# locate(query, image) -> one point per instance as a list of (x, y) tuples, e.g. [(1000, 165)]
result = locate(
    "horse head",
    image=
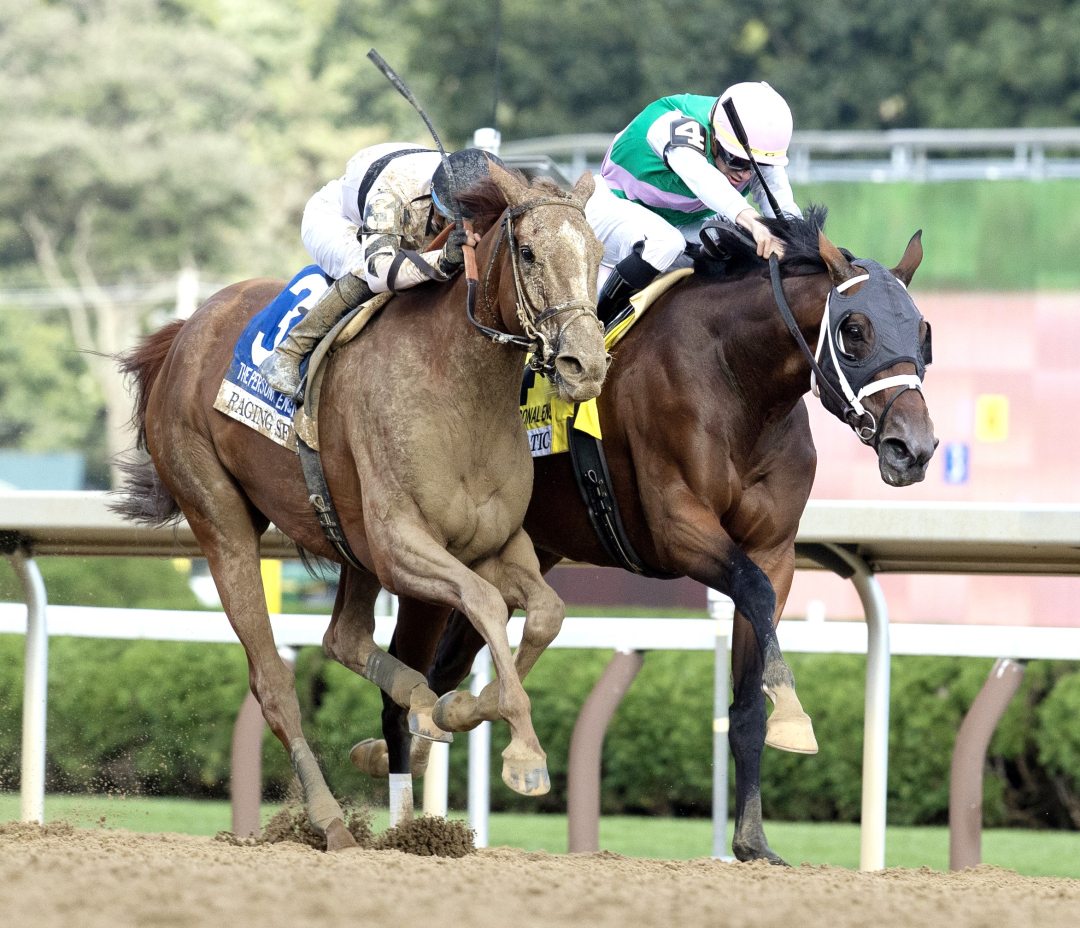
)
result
[(878, 346), (554, 258)]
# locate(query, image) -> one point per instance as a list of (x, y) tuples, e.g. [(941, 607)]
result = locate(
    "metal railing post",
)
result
[(586, 748), (35, 689), (437, 780), (480, 756), (875, 777), (245, 770), (969, 759), (722, 611)]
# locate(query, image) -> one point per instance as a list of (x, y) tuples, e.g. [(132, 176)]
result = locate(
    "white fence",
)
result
[(919, 155), (855, 539)]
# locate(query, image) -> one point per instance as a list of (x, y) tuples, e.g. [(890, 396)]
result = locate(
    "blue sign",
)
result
[(957, 462)]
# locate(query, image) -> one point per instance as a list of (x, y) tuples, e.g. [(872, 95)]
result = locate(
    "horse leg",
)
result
[(425, 570), (350, 641), (223, 523), (515, 571), (707, 553), (747, 735)]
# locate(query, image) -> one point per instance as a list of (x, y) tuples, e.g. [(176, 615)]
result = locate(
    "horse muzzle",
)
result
[(581, 360), (902, 461)]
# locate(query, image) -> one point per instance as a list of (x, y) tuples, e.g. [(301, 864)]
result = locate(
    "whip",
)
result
[(740, 134), (400, 87)]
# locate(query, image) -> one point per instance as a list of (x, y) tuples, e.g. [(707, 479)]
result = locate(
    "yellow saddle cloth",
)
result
[(546, 415)]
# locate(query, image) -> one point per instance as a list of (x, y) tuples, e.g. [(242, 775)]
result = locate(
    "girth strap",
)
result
[(321, 502), (594, 485)]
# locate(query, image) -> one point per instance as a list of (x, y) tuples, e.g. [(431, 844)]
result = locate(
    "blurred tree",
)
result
[(123, 154)]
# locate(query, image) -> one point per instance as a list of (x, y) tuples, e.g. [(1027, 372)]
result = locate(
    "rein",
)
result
[(542, 352)]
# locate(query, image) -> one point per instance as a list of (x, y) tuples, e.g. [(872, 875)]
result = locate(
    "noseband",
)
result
[(542, 352)]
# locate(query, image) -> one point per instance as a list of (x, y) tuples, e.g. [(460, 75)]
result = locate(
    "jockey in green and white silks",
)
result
[(676, 165)]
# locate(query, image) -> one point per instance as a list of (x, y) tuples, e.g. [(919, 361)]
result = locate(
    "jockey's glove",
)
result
[(453, 258)]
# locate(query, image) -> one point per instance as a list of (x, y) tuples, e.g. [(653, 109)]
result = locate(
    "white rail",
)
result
[(854, 539), (918, 155)]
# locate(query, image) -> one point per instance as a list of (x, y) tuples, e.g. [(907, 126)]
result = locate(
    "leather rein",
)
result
[(542, 352)]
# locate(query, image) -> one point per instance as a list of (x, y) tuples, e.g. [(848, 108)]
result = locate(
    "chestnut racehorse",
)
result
[(712, 461), (425, 455)]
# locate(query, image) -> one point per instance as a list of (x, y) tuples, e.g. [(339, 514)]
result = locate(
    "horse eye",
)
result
[(527, 254), (853, 333)]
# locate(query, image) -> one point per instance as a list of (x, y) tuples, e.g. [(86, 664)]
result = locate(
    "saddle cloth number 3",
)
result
[(689, 133), (316, 286)]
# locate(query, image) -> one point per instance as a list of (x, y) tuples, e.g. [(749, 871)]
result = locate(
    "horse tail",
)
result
[(143, 497)]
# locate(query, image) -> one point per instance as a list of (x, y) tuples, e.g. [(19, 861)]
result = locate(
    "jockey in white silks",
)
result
[(677, 165), (370, 230)]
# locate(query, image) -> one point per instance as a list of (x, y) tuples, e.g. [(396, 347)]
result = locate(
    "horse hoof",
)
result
[(748, 854), (339, 838), (456, 711), (793, 733), (370, 757), (422, 725), (526, 774)]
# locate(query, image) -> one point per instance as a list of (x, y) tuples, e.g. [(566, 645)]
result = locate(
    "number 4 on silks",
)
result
[(689, 133)]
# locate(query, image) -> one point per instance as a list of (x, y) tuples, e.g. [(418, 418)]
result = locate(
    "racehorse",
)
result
[(712, 461), (424, 452)]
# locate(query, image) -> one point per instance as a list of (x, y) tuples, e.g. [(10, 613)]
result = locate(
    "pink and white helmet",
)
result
[(765, 116)]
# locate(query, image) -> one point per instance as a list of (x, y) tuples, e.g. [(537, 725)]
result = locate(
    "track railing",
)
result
[(856, 540)]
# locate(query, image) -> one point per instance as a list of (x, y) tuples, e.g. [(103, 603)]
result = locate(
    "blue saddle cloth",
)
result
[(244, 395)]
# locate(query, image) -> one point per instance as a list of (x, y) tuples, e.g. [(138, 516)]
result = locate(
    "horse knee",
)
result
[(542, 628)]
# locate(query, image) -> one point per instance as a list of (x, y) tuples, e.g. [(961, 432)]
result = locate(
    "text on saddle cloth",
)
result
[(546, 416), (244, 395)]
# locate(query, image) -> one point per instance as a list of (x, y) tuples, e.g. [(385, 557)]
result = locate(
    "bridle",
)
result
[(542, 351), (849, 403)]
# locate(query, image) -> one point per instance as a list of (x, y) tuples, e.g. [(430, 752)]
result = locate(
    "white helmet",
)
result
[(765, 116)]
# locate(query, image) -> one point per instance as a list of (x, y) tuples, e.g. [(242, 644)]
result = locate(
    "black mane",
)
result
[(801, 255)]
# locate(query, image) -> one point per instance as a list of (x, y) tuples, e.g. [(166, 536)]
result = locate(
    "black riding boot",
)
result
[(629, 276)]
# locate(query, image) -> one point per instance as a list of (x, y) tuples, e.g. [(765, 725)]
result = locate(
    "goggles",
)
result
[(733, 161)]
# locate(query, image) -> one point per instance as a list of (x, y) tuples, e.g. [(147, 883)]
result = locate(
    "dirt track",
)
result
[(60, 876)]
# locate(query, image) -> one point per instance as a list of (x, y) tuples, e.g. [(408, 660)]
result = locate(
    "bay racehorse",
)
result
[(711, 457), (425, 455)]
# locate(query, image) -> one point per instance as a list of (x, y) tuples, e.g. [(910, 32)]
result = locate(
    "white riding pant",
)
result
[(620, 224)]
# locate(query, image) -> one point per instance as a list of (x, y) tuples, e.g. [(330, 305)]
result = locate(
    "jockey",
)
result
[(675, 166), (369, 230)]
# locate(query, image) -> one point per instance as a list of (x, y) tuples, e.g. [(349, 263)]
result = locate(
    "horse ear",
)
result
[(840, 269), (583, 189), (909, 264), (513, 189)]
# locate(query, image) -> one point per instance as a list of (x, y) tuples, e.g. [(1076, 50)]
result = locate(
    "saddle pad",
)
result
[(546, 416), (243, 394)]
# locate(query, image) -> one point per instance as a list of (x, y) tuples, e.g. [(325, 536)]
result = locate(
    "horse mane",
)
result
[(801, 254), (483, 203)]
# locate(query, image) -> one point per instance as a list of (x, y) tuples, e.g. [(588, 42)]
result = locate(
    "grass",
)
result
[(1032, 853)]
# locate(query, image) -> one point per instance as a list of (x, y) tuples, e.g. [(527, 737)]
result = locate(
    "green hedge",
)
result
[(157, 717)]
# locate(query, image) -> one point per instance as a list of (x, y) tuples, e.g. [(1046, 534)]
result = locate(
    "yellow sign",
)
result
[(991, 417), (271, 578)]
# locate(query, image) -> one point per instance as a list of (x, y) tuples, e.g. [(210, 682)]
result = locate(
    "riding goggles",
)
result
[(733, 161)]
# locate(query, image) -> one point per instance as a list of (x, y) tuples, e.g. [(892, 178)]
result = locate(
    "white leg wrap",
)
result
[(321, 805), (401, 798)]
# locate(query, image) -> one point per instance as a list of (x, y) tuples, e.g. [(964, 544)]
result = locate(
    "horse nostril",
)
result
[(569, 366), (897, 453)]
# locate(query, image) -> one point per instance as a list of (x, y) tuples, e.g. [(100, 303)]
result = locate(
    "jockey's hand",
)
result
[(767, 243), (452, 257)]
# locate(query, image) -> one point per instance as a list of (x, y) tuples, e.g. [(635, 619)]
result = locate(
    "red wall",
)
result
[(1026, 347)]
